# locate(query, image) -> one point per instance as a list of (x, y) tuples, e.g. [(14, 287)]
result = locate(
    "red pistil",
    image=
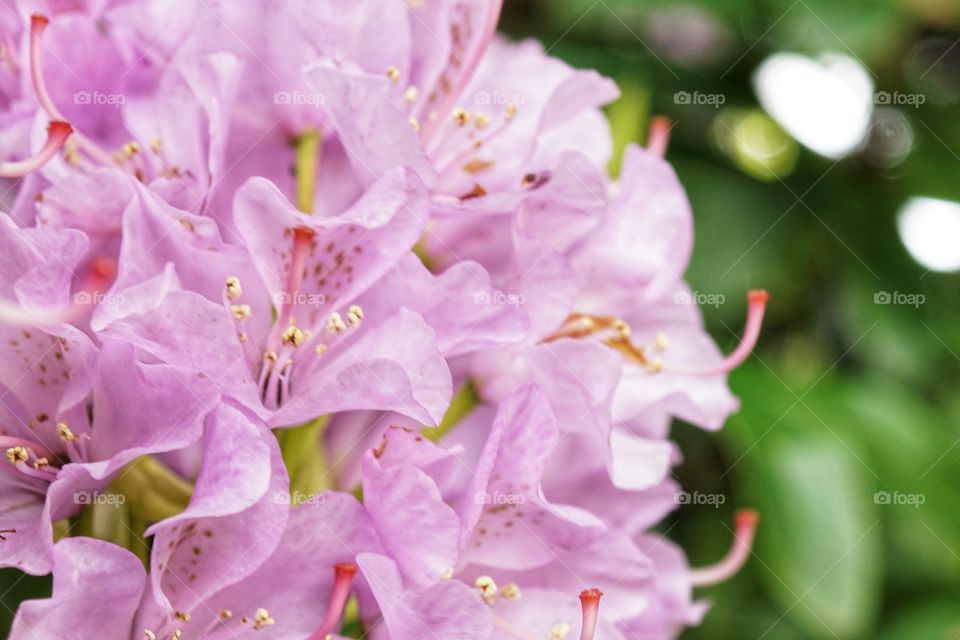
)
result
[(751, 332), (746, 528), (302, 238), (343, 578), (57, 133), (590, 603), (659, 137)]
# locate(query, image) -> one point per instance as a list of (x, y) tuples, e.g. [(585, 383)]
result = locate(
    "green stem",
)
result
[(307, 154), (153, 492), (465, 400), (304, 457)]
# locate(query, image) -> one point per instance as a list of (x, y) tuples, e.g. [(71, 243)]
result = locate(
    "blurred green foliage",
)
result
[(849, 406)]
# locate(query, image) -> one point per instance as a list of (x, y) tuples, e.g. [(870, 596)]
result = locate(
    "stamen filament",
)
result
[(745, 530), (343, 578), (751, 332), (38, 24), (57, 133)]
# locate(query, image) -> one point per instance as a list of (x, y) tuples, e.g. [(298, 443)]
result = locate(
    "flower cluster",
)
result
[(323, 318)]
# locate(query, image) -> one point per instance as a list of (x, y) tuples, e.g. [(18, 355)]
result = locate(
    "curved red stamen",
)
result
[(38, 24), (751, 332), (343, 578), (57, 134), (745, 530), (659, 136), (590, 603)]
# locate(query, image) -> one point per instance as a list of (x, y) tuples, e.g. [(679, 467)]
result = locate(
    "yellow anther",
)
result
[(559, 631), (354, 315), (131, 149), (661, 342), (226, 614), (65, 433), (292, 336), (335, 323), (511, 111), (411, 94), (621, 327), (240, 311), (182, 615), (415, 124), (16, 454), (270, 355), (321, 349), (40, 463), (149, 635), (394, 74), (481, 120), (510, 591), (461, 116), (156, 145), (262, 619), (242, 336), (488, 588), (234, 290)]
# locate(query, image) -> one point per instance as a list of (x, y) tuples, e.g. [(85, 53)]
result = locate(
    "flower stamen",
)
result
[(744, 531), (57, 133)]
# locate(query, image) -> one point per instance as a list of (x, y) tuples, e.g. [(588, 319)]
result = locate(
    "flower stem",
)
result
[(462, 404), (307, 155), (152, 491), (304, 456)]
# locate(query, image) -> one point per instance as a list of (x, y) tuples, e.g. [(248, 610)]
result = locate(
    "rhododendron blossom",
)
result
[(338, 301)]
